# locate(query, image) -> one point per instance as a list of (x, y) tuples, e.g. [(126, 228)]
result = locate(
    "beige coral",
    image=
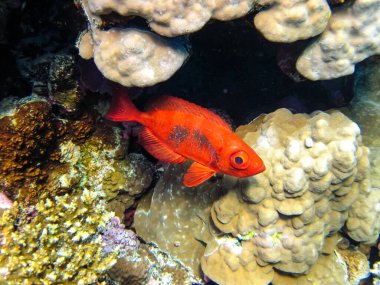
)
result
[(129, 56), (351, 36), (278, 226), (316, 181), (289, 21), (173, 18), (134, 57)]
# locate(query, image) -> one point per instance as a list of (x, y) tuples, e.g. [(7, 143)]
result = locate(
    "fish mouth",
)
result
[(260, 169)]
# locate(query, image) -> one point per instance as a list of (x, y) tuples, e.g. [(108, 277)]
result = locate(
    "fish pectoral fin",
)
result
[(196, 174), (158, 148)]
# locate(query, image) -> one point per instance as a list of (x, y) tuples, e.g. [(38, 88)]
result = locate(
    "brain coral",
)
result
[(316, 183)]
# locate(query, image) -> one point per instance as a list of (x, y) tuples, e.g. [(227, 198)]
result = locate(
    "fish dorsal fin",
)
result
[(159, 149), (171, 103), (196, 174)]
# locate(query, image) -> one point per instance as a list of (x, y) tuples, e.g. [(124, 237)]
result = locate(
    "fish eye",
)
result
[(240, 160)]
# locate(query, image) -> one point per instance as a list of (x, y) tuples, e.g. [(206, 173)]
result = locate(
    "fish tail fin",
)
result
[(122, 109)]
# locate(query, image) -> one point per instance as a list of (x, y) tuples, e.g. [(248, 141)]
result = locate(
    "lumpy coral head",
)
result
[(175, 130)]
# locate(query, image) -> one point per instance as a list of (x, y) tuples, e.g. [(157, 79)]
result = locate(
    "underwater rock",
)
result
[(175, 218), (62, 84), (61, 244), (150, 265), (365, 110), (54, 76), (357, 265)]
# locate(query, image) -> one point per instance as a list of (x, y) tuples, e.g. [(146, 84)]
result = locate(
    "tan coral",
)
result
[(134, 57), (289, 21), (316, 181), (173, 18), (327, 270), (281, 222), (351, 36), (230, 264)]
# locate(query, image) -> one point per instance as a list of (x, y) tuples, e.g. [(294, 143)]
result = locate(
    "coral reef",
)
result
[(28, 133), (279, 226), (316, 182), (351, 36), (347, 37), (42, 155), (62, 244)]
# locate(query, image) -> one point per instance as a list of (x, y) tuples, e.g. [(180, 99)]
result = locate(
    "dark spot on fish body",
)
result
[(203, 144), (201, 139), (178, 134)]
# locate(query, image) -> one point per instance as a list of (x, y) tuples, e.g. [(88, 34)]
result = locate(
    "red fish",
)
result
[(175, 130)]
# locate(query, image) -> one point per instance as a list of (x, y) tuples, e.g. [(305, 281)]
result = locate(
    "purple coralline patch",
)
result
[(116, 236), (5, 202)]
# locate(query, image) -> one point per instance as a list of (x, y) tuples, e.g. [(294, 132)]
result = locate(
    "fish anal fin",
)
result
[(170, 103), (196, 174), (159, 149)]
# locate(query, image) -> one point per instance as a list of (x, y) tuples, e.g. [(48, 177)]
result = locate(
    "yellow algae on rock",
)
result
[(60, 245)]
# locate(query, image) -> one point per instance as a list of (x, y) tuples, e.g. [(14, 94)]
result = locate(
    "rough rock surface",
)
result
[(175, 218), (365, 110)]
